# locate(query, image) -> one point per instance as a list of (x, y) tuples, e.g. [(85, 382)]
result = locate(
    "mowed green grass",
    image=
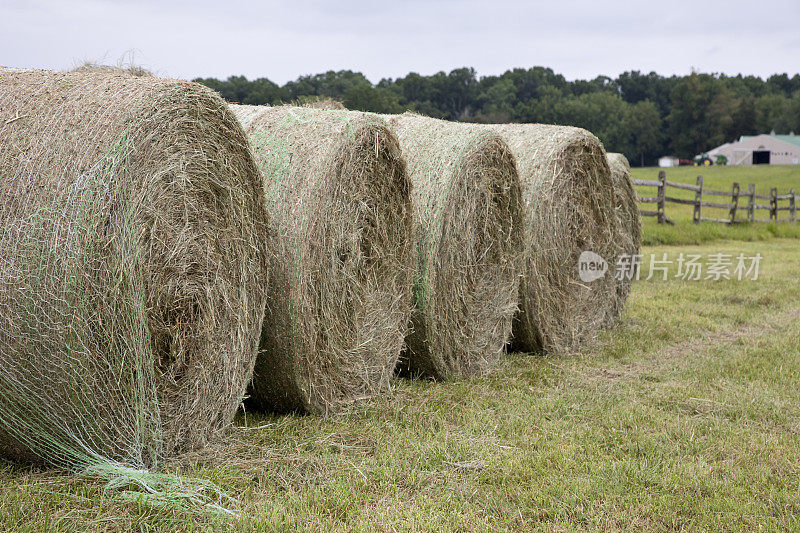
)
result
[(719, 178), (784, 177), (685, 416)]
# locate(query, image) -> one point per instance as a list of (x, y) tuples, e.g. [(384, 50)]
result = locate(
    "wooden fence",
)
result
[(746, 212)]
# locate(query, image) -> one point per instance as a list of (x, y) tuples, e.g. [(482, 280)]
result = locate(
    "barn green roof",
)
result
[(791, 139)]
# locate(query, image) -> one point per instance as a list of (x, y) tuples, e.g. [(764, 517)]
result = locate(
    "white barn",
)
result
[(668, 161), (761, 150)]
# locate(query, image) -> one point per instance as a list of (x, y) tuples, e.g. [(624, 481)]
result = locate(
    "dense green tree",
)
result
[(542, 109), (701, 114), (262, 91), (600, 83), (332, 84), (783, 84), (645, 126), (412, 88), (744, 86), (793, 114), (234, 89), (635, 87), (497, 102), (375, 99), (603, 113), (529, 83), (744, 119), (455, 93), (771, 113), (642, 115)]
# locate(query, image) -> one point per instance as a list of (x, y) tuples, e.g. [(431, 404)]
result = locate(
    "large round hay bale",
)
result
[(629, 229), (569, 209), (133, 266), (467, 228), (340, 284)]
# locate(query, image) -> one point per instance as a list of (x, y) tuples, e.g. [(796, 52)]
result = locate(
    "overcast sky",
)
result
[(283, 40)]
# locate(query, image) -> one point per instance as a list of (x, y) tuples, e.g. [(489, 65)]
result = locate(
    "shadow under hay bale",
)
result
[(340, 282), (467, 224), (629, 228), (132, 270), (569, 209)]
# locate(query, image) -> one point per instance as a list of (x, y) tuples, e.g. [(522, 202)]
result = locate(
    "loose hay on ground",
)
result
[(629, 228), (569, 208), (340, 285), (467, 224), (133, 267)]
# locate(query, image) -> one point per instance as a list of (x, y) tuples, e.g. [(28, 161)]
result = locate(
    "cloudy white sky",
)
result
[(283, 40)]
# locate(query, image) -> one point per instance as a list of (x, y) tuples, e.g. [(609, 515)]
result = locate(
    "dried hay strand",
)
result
[(568, 195), (340, 283), (132, 268), (324, 102), (122, 68), (467, 227), (13, 70), (629, 228)]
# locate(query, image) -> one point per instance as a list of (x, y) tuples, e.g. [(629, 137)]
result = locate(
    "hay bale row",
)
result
[(150, 244), (132, 270), (569, 209), (340, 281), (629, 226), (468, 234)]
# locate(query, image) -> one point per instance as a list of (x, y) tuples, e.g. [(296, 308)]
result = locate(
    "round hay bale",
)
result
[(340, 283), (467, 230), (133, 266), (569, 209), (629, 228)]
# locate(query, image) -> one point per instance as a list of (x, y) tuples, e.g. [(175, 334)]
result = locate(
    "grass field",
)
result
[(686, 416), (717, 178), (784, 177)]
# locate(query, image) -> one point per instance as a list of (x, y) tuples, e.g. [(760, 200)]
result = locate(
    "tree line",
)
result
[(641, 115)]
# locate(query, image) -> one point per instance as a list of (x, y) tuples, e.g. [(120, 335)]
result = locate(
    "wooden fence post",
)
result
[(734, 201), (751, 204), (792, 212), (773, 204), (698, 200), (662, 187)]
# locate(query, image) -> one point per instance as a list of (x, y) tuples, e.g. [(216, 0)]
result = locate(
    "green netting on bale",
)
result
[(130, 281), (75, 336), (340, 283)]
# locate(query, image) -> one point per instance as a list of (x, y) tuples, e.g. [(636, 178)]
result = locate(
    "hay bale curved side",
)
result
[(467, 223), (569, 209), (132, 222), (340, 284), (629, 227)]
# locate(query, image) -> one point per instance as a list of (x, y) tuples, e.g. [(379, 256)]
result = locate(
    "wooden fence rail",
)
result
[(735, 212)]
